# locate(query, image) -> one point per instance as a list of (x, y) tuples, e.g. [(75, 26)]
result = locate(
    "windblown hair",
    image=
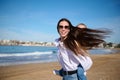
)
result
[(83, 38), (89, 37), (80, 39)]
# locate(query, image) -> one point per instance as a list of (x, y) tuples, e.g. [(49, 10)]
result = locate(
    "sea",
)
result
[(16, 55)]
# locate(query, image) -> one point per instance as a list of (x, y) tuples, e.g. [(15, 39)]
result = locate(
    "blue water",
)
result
[(14, 55)]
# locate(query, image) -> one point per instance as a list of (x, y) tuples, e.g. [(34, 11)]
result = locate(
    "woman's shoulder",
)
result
[(56, 42)]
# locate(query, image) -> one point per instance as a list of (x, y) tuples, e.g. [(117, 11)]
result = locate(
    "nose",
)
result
[(63, 28)]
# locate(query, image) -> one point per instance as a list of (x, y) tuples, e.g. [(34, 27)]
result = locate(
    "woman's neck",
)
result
[(62, 38)]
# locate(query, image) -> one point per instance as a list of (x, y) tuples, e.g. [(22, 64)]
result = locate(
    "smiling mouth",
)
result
[(63, 33)]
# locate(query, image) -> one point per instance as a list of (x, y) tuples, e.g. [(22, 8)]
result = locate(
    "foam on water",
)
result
[(25, 54)]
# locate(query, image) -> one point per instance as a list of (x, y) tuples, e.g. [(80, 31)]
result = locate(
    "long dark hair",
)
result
[(78, 40), (89, 37)]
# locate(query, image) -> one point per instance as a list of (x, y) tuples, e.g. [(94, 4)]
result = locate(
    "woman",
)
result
[(81, 73), (68, 53), (72, 48)]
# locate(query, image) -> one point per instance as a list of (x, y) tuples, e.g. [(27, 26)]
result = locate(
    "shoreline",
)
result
[(105, 67), (98, 51)]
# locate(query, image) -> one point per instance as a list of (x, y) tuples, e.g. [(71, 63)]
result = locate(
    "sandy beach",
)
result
[(105, 67)]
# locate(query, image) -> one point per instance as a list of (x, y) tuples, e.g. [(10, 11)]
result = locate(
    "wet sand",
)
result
[(105, 67)]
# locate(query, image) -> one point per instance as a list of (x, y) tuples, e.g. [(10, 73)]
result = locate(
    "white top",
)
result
[(69, 61)]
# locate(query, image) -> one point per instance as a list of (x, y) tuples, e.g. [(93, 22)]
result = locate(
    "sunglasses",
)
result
[(66, 27)]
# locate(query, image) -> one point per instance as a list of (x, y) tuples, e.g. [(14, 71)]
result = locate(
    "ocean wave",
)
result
[(25, 54)]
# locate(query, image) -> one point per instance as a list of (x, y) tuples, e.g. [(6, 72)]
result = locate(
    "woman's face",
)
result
[(64, 29)]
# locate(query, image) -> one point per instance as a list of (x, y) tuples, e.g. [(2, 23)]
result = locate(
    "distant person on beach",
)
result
[(72, 48)]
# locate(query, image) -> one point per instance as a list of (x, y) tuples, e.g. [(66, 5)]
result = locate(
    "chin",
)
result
[(63, 36)]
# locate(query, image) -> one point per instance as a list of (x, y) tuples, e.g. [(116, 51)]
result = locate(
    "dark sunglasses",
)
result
[(66, 27)]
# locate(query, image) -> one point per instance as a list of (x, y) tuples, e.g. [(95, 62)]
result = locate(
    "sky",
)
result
[(36, 20)]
